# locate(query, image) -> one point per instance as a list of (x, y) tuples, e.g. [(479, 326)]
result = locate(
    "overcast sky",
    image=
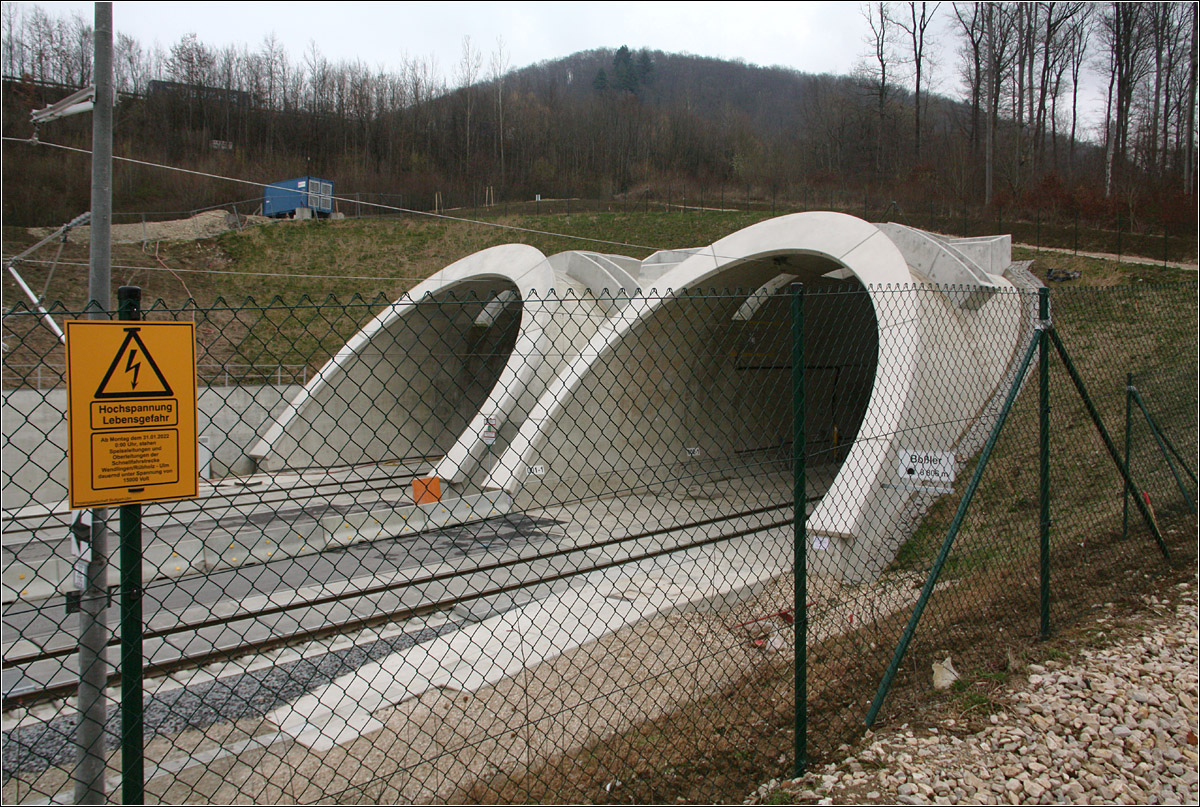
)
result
[(812, 37)]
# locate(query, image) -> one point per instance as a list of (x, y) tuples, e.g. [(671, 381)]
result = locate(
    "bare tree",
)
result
[(1176, 42), (190, 62), (81, 50), (915, 25), (970, 19), (1189, 152), (13, 52), (317, 79), (1078, 40), (273, 56), (1125, 38), (1056, 20), (877, 71), (469, 65), (499, 68), (1000, 34), (1158, 24), (131, 65)]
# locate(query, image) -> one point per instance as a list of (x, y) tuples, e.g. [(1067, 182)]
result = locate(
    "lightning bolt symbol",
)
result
[(130, 366)]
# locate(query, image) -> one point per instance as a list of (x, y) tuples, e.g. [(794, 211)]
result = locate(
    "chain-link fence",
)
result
[(489, 548)]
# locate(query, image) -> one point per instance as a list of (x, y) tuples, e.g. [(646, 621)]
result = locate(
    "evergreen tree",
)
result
[(645, 68), (625, 76)]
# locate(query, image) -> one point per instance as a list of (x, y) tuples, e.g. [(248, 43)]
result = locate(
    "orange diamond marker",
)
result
[(427, 490)]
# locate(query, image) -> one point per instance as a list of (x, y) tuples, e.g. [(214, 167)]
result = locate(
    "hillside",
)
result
[(602, 124)]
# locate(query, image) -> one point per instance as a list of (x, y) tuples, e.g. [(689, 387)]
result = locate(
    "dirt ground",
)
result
[(207, 224), (450, 745), (728, 742), (1109, 256)]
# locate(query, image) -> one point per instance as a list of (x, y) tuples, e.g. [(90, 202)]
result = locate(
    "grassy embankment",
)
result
[(365, 264)]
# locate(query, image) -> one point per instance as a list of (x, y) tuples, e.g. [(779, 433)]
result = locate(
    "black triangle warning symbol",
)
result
[(133, 373)]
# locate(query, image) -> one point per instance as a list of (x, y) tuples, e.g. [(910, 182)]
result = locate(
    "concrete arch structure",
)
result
[(478, 340), (855, 526), (596, 386), (563, 318), (385, 377)]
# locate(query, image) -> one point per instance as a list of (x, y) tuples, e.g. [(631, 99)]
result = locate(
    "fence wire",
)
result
[(497, 549)]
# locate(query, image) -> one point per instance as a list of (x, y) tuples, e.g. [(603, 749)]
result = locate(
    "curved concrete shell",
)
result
[(440, 355), (908, 339), (477, 341), (595, 387), (563, 318)]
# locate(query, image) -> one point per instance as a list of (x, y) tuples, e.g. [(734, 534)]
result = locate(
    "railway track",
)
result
[(392, 593), (260, 490)]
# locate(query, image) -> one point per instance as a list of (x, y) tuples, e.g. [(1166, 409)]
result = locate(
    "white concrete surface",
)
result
[(579, 423), (35, 428), (406, 381), (498, 647)]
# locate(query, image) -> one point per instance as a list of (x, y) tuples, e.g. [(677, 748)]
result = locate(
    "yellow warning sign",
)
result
[(131, 411), (122, 382)]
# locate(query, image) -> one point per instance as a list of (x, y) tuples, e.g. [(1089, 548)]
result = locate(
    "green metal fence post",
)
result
[(800, 532), (911, 628), (1128, 437), (1158, 438), (1170, 446), (1077, 380), (1044, 455), (129, 307)]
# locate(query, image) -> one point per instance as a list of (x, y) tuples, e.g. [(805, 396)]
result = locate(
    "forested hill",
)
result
[(597, 124), (770, 99), (600, 124)]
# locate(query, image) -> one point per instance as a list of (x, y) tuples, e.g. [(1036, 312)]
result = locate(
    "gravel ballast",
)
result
[(1118, 724)]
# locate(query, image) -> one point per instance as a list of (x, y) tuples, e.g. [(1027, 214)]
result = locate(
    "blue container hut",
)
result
[(283, 199)]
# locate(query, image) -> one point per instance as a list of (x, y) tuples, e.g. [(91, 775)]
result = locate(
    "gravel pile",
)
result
[(207, 224), (1118, 725), (40, 744)]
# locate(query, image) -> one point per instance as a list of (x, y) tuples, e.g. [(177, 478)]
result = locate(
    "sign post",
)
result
[(131, 413)]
